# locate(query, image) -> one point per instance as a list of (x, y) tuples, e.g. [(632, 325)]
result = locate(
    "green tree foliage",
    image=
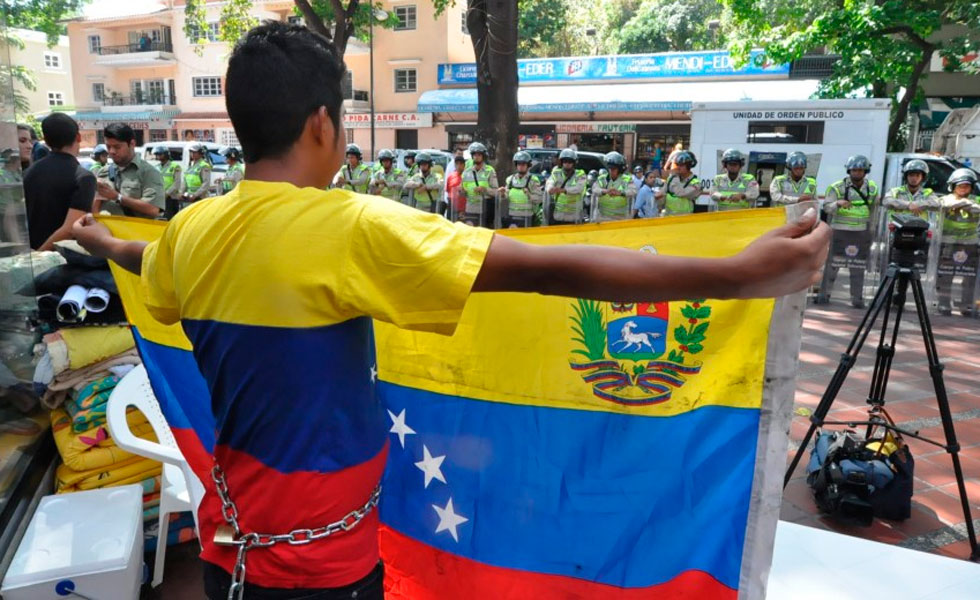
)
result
[(885, 46), (46, 16), (539, 22), (671, 25)]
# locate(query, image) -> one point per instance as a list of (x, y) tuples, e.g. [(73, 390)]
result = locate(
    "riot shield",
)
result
[(925, 260), (850, 251), (508, 217), (475, 212), (554, 216), (597, 215), (956, 266)]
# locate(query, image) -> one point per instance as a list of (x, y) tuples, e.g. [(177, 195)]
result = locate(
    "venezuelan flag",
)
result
[(557, 447)]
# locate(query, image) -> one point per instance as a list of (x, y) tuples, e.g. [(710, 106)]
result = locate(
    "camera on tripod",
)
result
[(910, 236)]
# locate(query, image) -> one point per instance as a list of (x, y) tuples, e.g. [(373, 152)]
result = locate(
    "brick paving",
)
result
[(937, 523)]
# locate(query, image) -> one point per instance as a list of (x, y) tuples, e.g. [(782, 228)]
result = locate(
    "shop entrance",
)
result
[(598, 142)]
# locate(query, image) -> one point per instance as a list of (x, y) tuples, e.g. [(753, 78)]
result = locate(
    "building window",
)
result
[(407, 16), (210, 34), (785, 132), (158, 135), (206, 86), (405, 80), (295, 20), (348, 85), (98, 92), (52, 60), (94, 44), (56, 99), (465, 29), (227, 137)]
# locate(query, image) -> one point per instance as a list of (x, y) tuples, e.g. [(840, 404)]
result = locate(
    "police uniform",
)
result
[(606, 207), (853, 233), (232, 177), (393, 181), (785, 190), (524, 196), (680, 194), (566, 207), (425, 190), (357, 178), (197, 180), (958, 251), (170, 173), (724, 187), (898, 201), (478, 211)]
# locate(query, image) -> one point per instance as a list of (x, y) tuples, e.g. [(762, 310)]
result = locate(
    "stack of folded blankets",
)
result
[(78, 365)]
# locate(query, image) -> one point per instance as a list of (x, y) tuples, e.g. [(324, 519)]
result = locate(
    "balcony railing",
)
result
[(139, 99), (148, 46)]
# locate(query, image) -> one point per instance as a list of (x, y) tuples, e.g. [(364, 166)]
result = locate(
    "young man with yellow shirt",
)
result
[(276, 284)]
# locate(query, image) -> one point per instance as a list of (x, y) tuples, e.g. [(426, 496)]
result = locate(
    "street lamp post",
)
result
[(381, 16)]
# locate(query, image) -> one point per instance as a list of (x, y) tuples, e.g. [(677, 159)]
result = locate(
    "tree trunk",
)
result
[(343, 28), (495, 46), (911, 89)]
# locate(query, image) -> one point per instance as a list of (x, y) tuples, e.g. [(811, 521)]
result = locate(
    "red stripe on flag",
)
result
[(417, 571)]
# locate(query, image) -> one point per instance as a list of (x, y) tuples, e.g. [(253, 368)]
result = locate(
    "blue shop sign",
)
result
[(713, 63)]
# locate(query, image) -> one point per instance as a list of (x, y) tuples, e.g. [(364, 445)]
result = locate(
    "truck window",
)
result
[(939, 173), (785, 132)]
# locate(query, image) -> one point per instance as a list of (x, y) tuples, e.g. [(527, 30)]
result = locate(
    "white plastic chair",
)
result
[(180, 489)]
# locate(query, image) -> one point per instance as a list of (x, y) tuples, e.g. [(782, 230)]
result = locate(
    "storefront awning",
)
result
[(151, 119), (634, 97)]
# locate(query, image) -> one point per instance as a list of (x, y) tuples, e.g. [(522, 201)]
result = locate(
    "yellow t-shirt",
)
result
[(275, 288)]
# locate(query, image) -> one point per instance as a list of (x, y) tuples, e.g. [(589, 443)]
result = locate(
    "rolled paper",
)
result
[(97, 300), (71, 309)]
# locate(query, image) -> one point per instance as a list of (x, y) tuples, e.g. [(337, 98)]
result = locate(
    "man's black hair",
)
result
[(279, 75), (60, 130), (119, 131), (29, 130)]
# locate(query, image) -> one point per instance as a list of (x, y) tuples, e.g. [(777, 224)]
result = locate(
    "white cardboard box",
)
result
[(87, 542)]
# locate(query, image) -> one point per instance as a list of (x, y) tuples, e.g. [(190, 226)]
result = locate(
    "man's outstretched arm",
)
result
[(783, 261), (96, 238)]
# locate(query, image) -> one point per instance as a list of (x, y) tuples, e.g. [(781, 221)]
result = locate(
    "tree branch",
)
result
[(909, 33), (911, 89), (313, 20)]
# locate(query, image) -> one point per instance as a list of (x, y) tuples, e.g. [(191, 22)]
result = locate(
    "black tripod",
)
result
[(898, 277)]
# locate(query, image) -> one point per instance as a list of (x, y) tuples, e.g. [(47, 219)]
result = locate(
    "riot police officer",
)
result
[(682, 187), (520, 197), (849, 204), (170, 171), (411, 168), (958, 251), (425, 186), (355, 175), (389, 179), (612, 196), (197, 178), (733, 189), (101, 157), (795, 187), (479, 183), (911, 199), (565, 190), (235, 172)]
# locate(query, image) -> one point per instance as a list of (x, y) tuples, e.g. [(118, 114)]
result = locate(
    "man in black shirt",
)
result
[(58, 191)]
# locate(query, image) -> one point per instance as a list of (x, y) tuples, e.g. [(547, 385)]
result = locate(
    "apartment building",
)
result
[(142, 69), (50, 68)]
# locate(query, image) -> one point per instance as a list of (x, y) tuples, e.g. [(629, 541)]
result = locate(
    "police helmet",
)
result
[(100, 149), (915, 165), (196, 147), (593, 173), (386, 153), (796, 159), (603, 172), (568, 154), (858, 161), (158, 151), (732, 155), (232, 153), (636, 169), (423, 157), (353, 149), (961, 176), (686, 157), (412, 154), (476, 147), (615, 159), (522, 157)]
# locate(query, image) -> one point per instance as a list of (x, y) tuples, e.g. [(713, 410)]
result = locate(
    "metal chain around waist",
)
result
[(298, 537)]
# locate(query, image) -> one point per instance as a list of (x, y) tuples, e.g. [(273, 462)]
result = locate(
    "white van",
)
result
[(180, 152)]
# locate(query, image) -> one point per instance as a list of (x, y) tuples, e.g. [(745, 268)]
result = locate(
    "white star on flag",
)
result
[(448, 519), (430, 465), (374, 373), (399, 427)]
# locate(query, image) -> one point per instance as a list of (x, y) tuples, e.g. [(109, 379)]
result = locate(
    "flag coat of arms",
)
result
[(567, 448)]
